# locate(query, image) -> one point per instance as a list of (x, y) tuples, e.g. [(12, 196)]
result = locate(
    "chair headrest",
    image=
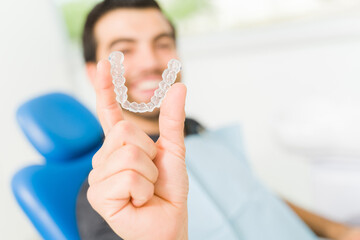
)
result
[(59, 127)]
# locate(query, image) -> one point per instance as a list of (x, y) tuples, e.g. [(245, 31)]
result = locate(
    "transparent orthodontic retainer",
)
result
[(117, 71)]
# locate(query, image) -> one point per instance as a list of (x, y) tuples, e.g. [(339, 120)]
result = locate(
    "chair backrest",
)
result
[(67, 135)]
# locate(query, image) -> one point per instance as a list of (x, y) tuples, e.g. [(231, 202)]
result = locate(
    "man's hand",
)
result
[(140, 187), (349, 234), (324, 227)]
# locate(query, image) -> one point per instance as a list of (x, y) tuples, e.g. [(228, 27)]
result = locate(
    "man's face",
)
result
[(145, 38)]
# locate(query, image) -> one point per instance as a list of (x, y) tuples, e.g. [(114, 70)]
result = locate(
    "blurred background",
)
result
[(286, 70)]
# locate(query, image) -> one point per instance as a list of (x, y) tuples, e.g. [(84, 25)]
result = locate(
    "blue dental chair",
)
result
[(67, 135)]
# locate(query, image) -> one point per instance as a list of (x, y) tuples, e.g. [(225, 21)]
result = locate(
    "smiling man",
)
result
[(139, 183), (147, 40)]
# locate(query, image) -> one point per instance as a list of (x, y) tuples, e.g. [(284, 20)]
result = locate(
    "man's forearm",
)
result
[(321, 226)]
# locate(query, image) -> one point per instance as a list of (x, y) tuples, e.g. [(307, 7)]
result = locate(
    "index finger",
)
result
[(108, 109)]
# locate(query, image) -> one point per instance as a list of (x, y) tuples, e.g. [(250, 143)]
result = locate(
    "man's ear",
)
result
[(91, 71)]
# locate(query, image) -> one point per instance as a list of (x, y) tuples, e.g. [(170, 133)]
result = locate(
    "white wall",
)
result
[(255, 76), (251, 76)]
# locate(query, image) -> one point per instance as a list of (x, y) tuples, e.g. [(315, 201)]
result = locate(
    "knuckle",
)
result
[(96, 159), (95, 199), (156, 174), (124, 158), (124, 127), (132, 153), (131, 178), (91, 196), (153, 151), (91, 177)]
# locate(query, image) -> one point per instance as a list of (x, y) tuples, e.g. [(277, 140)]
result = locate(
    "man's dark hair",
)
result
[(88, 37)]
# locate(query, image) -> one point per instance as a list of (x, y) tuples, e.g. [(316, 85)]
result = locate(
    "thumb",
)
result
[(172, 116)]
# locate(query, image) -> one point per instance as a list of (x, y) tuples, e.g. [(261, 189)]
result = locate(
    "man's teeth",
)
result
[(148, 85)]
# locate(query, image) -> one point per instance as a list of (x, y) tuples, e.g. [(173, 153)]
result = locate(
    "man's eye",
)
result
[(125, 51), (164, 45)]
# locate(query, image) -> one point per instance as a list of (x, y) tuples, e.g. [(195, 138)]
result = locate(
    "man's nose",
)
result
[(148, 60)]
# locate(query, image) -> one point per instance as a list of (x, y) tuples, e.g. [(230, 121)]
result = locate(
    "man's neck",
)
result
[(149, 125)]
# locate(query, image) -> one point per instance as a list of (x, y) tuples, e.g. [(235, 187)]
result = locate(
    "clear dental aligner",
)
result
[(117, 72)]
